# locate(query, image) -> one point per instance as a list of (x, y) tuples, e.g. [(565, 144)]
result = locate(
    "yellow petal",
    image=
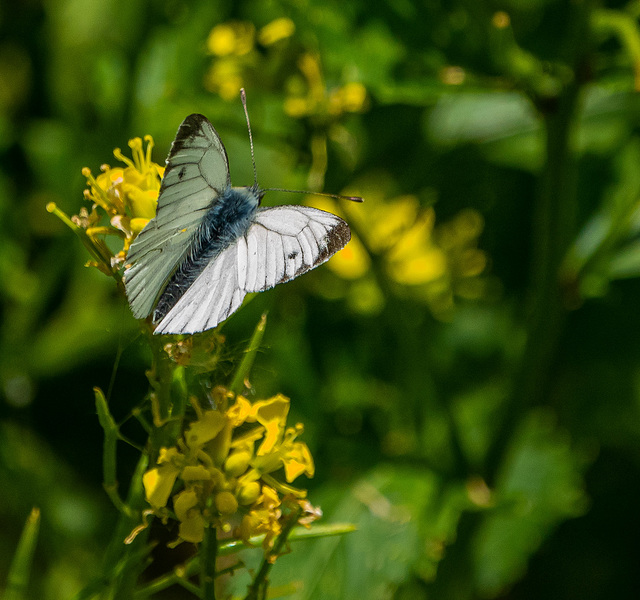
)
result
[(208, 426), (137, 225), (239, 412), (273, 409), (277, 30), (158, 483), (195, 473), (142, 203), (192, 528), (352, 262), (298, 461), (272, 433)]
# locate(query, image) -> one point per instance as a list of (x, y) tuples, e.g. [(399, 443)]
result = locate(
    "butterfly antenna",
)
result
[(243, 96), (337, 196)]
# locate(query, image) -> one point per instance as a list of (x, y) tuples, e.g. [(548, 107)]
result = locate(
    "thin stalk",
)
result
[(258, 587), (553, 232), (208, 552)]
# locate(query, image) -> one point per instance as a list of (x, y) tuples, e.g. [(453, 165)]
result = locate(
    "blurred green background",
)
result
[(467, 372)]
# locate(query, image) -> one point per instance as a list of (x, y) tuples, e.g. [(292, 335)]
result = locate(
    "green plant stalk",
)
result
[(624, 26), (167, 408), (126, 572), (258, 587), (208, 552), (111, 436), (229, 547), (553, 232), (242, 373)]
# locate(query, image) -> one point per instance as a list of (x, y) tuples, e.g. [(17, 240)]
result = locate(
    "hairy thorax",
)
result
[(228, 218)]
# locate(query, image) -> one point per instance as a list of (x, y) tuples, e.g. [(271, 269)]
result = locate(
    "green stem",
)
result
[(553, 232), (208, 552), (242, 374), (258, 587)]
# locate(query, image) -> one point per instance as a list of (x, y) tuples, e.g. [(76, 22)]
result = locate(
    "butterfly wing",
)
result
[(287, 241), (282, 243), (197, 174)]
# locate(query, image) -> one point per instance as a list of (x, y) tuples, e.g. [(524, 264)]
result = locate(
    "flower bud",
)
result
[(249, 493), (226, 503), (237, 463)]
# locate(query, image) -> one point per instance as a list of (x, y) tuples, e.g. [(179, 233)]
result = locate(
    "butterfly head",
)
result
[(257, 192)]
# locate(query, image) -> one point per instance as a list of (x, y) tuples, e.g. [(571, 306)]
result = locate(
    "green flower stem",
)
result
[(208, 552), (123, 563), (97, 248), (554, 229), (258, 587), (192, 567), (624, 26), (242, 374), (111, 437), (168, 409)]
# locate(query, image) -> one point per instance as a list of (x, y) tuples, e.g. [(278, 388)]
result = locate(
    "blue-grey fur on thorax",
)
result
[(229, 217)]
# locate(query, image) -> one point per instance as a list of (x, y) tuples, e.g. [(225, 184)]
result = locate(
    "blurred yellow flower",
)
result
[(224, 77), (236, 37), (434, 262), (277, 30), (218, 479), (318, 100)]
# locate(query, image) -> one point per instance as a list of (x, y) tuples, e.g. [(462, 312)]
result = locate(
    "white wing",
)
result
[(197, 174), (212, 297), (282, 243), (287, 241)]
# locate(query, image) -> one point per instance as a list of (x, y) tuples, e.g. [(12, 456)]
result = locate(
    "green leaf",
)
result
[(540, 486), (20, 571)]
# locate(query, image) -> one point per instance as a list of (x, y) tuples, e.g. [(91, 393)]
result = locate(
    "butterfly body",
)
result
[(210, 243), (229, 217)]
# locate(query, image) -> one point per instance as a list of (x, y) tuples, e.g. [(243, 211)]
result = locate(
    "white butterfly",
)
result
[(210, 243)]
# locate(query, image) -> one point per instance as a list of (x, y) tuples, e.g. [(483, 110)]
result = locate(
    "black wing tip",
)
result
[(340, 236), (189, 129)]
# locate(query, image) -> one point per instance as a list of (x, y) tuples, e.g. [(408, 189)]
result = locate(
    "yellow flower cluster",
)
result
[(436, 263), (318, 101), (216, 477), (234, 48), (127, 196)]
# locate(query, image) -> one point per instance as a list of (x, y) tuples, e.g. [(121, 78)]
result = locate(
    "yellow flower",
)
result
[(192, 523), (159, 481), (224, 77), (272, 415), (217, 473), (348, 98), (127, 196), (263, 519), (435, 262), (231, 38), (319, 101), (277, 30)]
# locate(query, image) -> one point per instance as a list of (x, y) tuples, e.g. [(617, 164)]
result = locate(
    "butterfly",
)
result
[(210, 244)]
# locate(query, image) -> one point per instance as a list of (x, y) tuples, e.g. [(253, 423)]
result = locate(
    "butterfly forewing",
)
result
[(197, 173)]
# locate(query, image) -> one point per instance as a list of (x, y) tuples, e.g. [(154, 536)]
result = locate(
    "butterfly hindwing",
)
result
[(212, 297), (197, 174), (281, 243)]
